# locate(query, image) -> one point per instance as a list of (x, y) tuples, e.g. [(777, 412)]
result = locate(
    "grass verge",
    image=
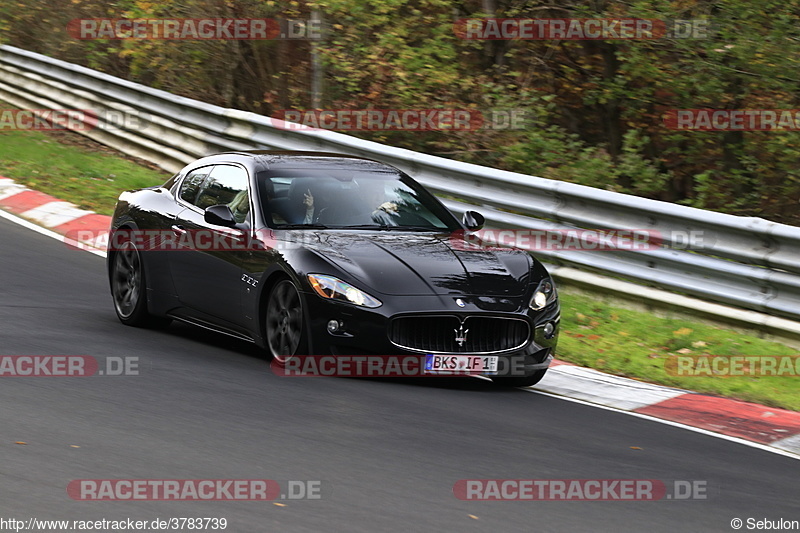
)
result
[(594, 334), (73, 168), (644, 346)]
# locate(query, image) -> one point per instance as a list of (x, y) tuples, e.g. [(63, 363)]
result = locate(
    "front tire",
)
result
[(284, 322), (526, 381)]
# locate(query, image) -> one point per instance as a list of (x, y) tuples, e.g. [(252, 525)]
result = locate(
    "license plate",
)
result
[(461, 364)]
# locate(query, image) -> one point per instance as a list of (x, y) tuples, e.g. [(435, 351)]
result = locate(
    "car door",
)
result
[(206, 264)]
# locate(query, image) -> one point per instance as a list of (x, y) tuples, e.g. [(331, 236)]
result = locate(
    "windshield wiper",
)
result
[(303, 226), (420, 228), (364, 226), (385, 227)]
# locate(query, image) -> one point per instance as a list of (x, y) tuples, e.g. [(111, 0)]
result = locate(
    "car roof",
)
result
[(305, 159)]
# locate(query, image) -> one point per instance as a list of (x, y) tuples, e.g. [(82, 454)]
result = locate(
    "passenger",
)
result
[(240, 206), (308, 203)]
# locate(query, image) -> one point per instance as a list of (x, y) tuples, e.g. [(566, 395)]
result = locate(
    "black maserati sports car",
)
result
[(308, 253)]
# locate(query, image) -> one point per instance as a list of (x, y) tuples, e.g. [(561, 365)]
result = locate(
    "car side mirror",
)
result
[(473, 220), (219, 215)]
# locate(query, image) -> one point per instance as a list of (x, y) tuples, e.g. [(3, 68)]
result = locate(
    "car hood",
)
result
[(405, 263)]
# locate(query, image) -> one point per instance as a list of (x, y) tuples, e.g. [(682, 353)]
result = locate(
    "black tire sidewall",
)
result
[(302, 345), (139, 316)]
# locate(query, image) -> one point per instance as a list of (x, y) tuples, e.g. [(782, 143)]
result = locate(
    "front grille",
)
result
[(438, 334)]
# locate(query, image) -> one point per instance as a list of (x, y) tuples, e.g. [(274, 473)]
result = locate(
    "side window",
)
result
[(227, 185), (191, 185)]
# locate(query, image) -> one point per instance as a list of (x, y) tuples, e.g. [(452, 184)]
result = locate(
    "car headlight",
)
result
[(336, 289), (544, 295)]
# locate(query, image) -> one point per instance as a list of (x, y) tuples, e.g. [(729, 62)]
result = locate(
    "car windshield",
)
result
[(341, 199)]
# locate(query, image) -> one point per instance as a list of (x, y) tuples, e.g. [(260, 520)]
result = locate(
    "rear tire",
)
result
[(525, 381), (129, 289)]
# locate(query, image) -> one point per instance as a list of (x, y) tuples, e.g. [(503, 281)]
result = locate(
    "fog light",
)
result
[(549, 328), (334, 326)]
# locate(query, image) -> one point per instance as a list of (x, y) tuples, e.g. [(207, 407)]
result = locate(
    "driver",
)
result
[(373, 193)]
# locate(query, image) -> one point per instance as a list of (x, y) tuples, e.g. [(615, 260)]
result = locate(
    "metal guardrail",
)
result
[(746, 262)]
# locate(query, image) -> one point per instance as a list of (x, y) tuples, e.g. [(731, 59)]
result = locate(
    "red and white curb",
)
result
[(770, 428), (63, 218), (775, 430)]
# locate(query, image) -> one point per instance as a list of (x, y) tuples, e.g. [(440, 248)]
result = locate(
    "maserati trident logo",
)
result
[(461, 335)]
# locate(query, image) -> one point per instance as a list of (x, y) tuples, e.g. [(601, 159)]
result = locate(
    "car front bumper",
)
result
[(367, 331)]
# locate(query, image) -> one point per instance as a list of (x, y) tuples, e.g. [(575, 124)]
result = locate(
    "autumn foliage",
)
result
[(596, 107)]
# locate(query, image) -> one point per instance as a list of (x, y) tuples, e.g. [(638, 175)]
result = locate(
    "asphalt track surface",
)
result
[(388, 452)]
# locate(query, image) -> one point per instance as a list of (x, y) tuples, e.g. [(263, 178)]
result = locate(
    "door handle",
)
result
[(178, 230)]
